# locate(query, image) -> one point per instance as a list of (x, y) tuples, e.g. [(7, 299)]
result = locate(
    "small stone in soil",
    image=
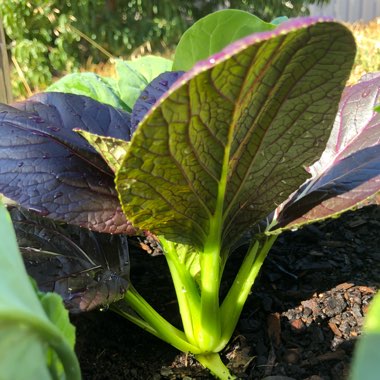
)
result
[(297, 326)]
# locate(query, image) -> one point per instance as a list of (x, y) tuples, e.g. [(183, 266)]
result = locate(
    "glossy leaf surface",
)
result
[(151, 93), (230, 140), (87, 269), (48, 168), (208, 35), (348, 171)]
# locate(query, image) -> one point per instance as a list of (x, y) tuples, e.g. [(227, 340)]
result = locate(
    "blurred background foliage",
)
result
[(47, 38)]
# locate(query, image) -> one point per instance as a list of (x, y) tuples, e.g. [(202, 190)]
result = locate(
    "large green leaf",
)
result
[(21, 345), (230, 141), (212, 33), (134, 76)]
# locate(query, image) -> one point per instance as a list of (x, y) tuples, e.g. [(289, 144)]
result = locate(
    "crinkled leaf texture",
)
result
[(348, 172), (87, 269), (20, 312), (151, 93), (48, 168), (229, 141)]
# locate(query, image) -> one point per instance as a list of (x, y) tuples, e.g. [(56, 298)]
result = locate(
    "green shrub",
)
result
[(46, 36)]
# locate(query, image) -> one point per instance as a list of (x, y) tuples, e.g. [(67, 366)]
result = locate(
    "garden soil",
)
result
[(301, 321)]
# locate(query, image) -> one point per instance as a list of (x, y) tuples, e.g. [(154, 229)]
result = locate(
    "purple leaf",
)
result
[(49, 169), (58, 114), (356, 125), (152, 92), (349, 169), (87, 269)]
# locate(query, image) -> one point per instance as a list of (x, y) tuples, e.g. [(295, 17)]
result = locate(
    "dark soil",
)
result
[(301, 321)]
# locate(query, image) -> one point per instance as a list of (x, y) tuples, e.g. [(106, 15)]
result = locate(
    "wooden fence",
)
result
[(348, 10), (5, 83)]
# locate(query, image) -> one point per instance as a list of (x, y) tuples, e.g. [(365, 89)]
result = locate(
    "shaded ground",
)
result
[(301, 321)]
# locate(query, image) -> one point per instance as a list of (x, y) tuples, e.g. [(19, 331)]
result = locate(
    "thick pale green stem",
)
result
[(232, 305), (211, 263), (135, 319), (209, 333), (214, 363), (164, 330), (49, 334), (186, 291)]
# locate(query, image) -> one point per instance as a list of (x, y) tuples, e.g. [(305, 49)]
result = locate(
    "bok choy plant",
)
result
[(228, 150)]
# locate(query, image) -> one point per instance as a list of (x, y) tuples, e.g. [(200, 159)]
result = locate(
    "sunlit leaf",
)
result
[(230, 141), (91, 85), (112, 150), (134, 76), (208, 35)]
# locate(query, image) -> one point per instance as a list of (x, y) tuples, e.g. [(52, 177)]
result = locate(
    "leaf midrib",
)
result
[(237, 154)]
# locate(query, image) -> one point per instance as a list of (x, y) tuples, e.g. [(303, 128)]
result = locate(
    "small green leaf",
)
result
[(59, 316), (366, 364), (134, 76), (111, 149), (372, 322), (212, 33), (103, 90)]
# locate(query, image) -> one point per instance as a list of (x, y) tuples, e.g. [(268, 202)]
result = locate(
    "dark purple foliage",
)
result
[(152, 92), (48, 168), (348, 172), (86, 268)]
